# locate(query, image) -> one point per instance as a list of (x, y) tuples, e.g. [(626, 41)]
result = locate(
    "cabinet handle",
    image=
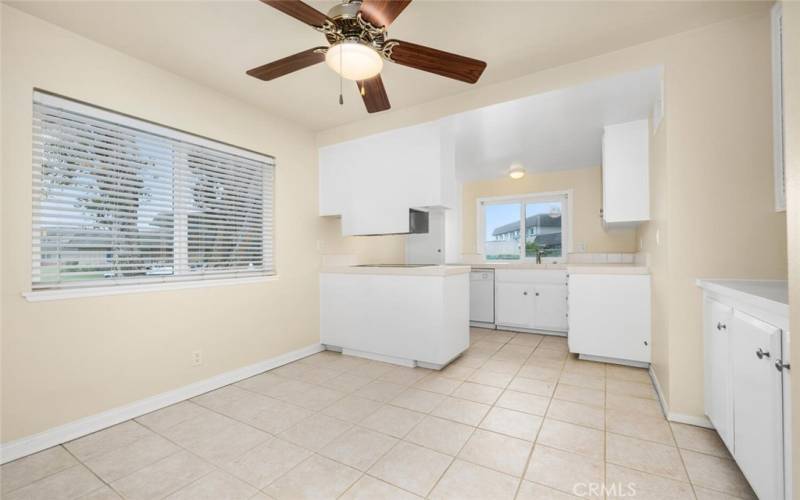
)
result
[(762, 353), (721, 326), (780, 365), (524, 293), (537, 294)]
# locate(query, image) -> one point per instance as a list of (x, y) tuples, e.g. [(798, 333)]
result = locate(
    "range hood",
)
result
[(417, 224)]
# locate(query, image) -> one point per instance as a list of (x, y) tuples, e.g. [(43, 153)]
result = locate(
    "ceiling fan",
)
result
[(358, 45)]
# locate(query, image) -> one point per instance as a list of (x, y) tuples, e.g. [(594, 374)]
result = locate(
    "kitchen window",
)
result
[(122, 201), (524, 227)]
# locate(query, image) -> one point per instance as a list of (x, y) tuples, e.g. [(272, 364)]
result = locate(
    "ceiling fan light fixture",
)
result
[(354, 60), (516, 171)]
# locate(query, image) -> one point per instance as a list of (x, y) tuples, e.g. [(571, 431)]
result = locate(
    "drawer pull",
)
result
[(780, 365), (721, 326), (762, 353)]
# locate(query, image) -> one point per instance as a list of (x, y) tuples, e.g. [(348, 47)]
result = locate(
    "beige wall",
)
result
[(62, 360), (791, 116), (586, 205), (716, 192)]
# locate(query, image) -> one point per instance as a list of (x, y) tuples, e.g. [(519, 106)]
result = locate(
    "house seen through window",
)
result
[(524, 228)]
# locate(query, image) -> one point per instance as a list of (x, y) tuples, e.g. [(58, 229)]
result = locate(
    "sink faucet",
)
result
[(539, 254)]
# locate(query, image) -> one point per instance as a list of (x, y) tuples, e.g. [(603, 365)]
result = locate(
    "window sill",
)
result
[(101, 291)]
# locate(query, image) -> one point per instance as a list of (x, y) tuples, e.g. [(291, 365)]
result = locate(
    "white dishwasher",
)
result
[(481, 297)]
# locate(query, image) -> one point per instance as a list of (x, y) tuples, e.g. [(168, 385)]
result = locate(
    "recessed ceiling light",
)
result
[(517, 171)]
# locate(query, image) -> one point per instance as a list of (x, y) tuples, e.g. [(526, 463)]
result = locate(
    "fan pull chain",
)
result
[(363, 90), (341, 97)]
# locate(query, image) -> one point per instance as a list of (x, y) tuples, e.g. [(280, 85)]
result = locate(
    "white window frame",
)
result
[(134, 286), (523, 199)]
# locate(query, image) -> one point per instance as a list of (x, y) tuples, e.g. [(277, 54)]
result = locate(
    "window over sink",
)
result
[(524, 227)]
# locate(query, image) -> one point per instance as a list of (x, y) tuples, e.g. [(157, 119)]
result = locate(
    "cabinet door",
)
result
[(513, 304), (719, 396), (550, 308), (757, 404)]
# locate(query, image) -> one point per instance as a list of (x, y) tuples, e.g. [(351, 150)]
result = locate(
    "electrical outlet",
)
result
[(197, 358)]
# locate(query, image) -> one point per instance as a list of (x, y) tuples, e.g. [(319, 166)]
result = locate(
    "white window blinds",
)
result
[(118, 200)]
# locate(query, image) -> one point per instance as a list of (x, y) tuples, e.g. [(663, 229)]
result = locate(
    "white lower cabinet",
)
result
[(531, 299), (744, 397)]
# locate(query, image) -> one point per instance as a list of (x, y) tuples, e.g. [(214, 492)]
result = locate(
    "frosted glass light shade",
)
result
[(354, 60), (516, 171)]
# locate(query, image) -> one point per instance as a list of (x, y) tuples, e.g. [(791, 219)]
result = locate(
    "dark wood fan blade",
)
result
[(437, 61), (288, 65), (374, 94), (300, 11), (382, 12)]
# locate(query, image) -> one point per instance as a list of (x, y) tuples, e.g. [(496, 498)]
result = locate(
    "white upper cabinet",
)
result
[(626, 173), (372, 182)]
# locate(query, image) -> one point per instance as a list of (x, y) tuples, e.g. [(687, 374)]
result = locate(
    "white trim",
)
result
[(779, 166), (101, 291), (57, 435), (680, 418)]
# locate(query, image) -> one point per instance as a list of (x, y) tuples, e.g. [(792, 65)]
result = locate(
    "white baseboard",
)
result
[(21, 447), (672, 416)]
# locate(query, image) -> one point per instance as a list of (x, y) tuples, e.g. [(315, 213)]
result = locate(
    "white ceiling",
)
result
[(555, 130), (215, 42)]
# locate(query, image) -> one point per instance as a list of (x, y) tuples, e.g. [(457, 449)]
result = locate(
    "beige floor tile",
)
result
[(316, 478), (542, 352), (104, 493), (393, 421), (577, 413), (593, 397), (315, 398), (316, 431), (622, 482), (532, 386), (522, 401), (716, 473), (490, 378), (380, 391), (504, 366), (126, 460), (512, 423), (215, 486), (572, 438), (266, 462), (456, 372), (24, 471), (486, 345), (628, 373), (418, 400), (472, 360), (369, 488), (551, 364), (352, 408), (263, 383), (534, 491), (346, 382), (411, 467), (461, 410), (497, 451), (441, 435), (634, 389), (478, 393), (564, 471), (547, 374), (466, 481), (216, 438), (66, 484), (580, 380), (288, 389), (645, 456), (591, 368), (639, 426), (528, 339), (171, 415), (163, 477), (371, 370), (695, 438), (223, 397), (706, 494), (359, 447), (404, 376), (296, 369), (439, 383), (634, 405), (106, 440), (319, 374)]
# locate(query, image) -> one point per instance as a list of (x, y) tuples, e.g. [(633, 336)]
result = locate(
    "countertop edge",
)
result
[(719, 287)]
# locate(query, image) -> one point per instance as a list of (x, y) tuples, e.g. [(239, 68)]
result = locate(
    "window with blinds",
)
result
[(120, 201)]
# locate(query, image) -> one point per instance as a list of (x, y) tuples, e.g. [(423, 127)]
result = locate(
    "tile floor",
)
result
[(515, 417)]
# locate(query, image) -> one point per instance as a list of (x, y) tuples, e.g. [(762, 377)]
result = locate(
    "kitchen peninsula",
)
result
[(407, 315)]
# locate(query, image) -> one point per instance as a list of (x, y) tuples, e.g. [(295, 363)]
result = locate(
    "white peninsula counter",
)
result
[(411, 316)]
